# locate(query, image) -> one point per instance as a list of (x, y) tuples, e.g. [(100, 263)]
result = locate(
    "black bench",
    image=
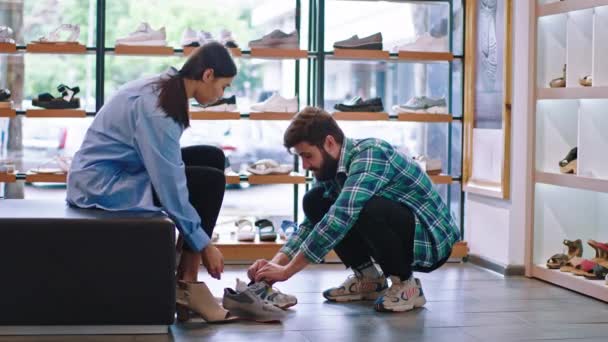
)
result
[(67, 270)]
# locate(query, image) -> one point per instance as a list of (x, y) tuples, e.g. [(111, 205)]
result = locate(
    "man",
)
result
[(369, 202)]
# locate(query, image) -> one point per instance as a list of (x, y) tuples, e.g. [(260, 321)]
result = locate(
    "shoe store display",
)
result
[(423, 104), (276, 39), (569, 163), (276, 103), (266, 230), (6, 35), (245, 232), (559, 82), (269, 294), (428, 165), (69, 31), (372, 42), (586, 81), (144, 35), (245, 304), (66, 101), (357, 104)]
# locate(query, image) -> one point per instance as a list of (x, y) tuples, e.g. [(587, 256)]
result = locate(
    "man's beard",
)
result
[(328, 168)]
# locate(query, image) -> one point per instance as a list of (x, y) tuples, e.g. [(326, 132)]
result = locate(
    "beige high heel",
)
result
[(195, 298)]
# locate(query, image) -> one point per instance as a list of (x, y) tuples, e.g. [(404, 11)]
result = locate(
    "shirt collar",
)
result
[(345, 156)]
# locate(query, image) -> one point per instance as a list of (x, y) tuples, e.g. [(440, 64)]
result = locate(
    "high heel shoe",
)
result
[(195, 298)]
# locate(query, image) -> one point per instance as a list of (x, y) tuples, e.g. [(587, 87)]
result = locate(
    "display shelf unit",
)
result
[(568, 206), (271, 116), (207, 115), (7, 113), (418, 117), (361, 116), (6, 177), (56, 113), (58, 48), (143, 50), (278, 53), (8, 48)]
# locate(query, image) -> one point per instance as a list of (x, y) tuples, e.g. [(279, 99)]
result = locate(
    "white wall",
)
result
[(495, 229)]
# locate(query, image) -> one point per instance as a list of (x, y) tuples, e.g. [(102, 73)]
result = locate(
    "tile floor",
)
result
[(465, 303)]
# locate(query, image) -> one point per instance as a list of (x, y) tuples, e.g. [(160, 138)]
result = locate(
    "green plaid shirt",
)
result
[(374, 168)]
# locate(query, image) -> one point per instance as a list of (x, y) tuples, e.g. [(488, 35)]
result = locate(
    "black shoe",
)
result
[(66, 101), (370, 105), (569, 163), (226, 100), (5, 94)]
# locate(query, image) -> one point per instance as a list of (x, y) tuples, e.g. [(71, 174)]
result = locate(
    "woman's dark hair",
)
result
[(173, 99)]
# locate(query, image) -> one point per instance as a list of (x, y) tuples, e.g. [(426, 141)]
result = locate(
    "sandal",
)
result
[(266, 230), (244, 231), (571, 264), (269, 166), (287, 229), (557, 261), (67, 101), (586, 81), (599, 272), (585, 268), (575, 248)]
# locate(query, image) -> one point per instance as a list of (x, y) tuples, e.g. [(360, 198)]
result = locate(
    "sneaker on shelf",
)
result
[(269, 294), (359, 105), (372, 42), (7, 166), (227, 39), (245, 230), (423, 104), (226, 104), (6, 35), (190, 38), (569, 163), (401, 296), (269, 167), (205, 37), (144, 35), (245, 304), (72, 32), (428, 165), (277, 39), (276, 103), (425, 43), (586, 81), (356, 288)]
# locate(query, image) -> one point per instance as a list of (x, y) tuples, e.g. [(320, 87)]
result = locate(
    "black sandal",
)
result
[(67, 101)]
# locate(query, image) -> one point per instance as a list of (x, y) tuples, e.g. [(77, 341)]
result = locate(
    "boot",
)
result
[(195, 297)]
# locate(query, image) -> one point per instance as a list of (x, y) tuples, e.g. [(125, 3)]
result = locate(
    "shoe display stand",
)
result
[(8, 48), (62, 48), (425, 56), (55, 113), (279, 53), (360, 54), (143, 50), (7, 113), (569, 206), (197, 114), (361, 116), (236, 52)]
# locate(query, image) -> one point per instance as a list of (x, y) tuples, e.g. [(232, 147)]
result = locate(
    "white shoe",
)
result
[(6, 34), (425, 43), (401, 296), (189, 37), (276, 103), (205, 37), (245, 230), (55, 35), (144, 36), (269, 167), (220, 108), (428, 165), (227, 39)]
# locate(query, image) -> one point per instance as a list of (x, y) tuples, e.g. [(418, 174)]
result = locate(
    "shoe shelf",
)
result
[(292, 178), (206, 115), (278, 53), (236, 52), (143, 50), (425, 56), (59, 48), (419, 117), (562, 7), (56, 113), (593, 288), (8, 48), (7, 113), (6, 177), (414, 56), (361, 116), (441, 179), (32, 177), (572, 93), (572, 181), (382, 116), (360, 54), (271, 116)]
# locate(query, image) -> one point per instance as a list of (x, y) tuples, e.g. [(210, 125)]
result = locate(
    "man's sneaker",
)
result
[(357, 288), (401, 296), (269, 294)]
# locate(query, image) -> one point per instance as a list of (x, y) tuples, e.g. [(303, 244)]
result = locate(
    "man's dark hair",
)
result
[(312, 125)]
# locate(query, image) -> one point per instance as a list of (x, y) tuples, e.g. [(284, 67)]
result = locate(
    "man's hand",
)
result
[(253, 269), (272, 273), (213, 260)]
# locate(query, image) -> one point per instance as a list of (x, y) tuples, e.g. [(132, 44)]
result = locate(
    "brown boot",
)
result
[(195, 297)]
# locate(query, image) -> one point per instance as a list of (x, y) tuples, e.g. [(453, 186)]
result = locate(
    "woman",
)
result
[(130, 158)]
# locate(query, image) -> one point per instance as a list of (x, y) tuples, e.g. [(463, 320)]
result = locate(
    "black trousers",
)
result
[(384, 231), (206, 184)]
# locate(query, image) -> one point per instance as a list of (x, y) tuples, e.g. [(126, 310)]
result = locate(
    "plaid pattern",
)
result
[(372, 167)]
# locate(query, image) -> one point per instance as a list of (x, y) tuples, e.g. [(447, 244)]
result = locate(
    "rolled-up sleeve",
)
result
[(156, 139)]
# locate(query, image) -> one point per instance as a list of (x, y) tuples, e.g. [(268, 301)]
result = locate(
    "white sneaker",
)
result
[(401, 296), (428, 165), (425, 43), (276, 103), (245, 230), (144, 36), (55, 35), (189, 37), (224, 107), (227, 39), (205, 37), (6, 34)]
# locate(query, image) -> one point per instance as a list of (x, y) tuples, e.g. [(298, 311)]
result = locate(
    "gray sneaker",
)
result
[(247, 305), (423, 104), (269, 294), (373, 42)]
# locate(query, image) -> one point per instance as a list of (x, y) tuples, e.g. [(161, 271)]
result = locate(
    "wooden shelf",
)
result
[(277, 179), (460, 250), (61, 48), (233, 179), (567, 6), (32, 177), (442, 179), (572, 93), (593, 288), (420, 117), (55, 113), (6, 177), (361, 116), (572, 181), (207, 115), (279, 53), (8, 48), (143, 50), (425, 56), (361, 54), (236, 52), (271, 116), (7, 113)]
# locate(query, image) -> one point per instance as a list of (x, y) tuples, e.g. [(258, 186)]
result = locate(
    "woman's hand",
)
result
[(213, 260)]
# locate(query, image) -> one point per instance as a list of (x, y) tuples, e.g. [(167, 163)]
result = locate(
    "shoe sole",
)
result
[(286, 306), (402, 308), (355, 298), (569, 168)]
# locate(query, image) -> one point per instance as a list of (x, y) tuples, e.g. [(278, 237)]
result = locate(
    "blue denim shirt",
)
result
[(131, 146)]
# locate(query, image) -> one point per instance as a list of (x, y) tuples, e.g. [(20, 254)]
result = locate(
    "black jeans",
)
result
[(384, 231), (206, 184)]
